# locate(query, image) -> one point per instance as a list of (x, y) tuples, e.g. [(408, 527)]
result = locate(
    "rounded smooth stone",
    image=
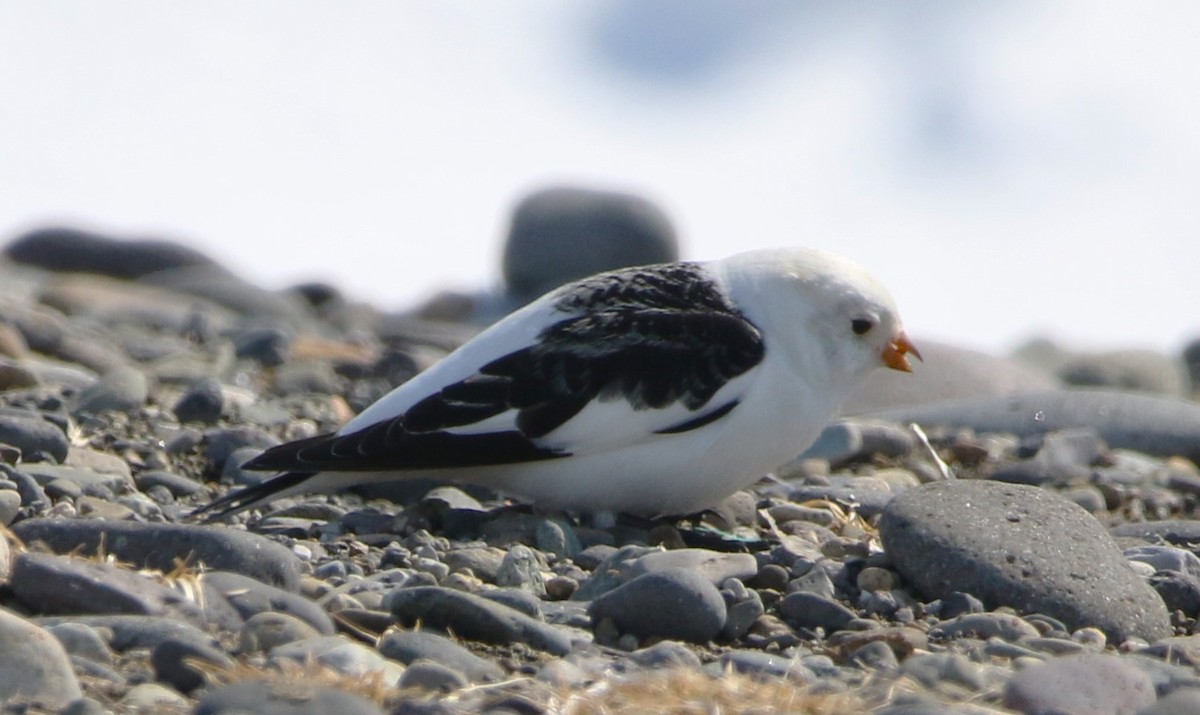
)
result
[(82, 641), (714, 566), (560, 234), (812, 611), (158, 546), (10, 506), (72, 250), (409, 646), (33, 434), (253, 696), (341, 654), (678, 605), (34, 666), (251, 597), (430, 675), (122, 389), (203, 402), (1023, 547), (1091, 683), (1185, 701), (946, 373), (474, 618), (264, 631), (1159, 426), (169, 660), (1142, 370)]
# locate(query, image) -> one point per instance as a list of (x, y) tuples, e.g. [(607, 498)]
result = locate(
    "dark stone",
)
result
[(564, 233), (409, 646), (474, 618), (678, 605), (162, 546), (136, 631), (1022, 547), (63, 584), (251, 597), (203, 402), (169, 662), (1180, 591), (177, 484), (270, 347), (813, 611), (33, 434), (71, 250), (1154, 425)]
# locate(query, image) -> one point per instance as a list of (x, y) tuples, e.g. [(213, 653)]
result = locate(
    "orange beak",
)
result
[(895, 355)]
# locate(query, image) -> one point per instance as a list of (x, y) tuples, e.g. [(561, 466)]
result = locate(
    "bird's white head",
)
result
[(820, 310)]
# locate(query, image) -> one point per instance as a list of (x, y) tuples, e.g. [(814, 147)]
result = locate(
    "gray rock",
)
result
[(251, 597), (430, 675), (227, 290), (271, 347), (84, 706), (177, 484), (664, 654), (170, 662), (564, 233), (409, 646), (82, 641), (135, 631), (605, 574), (516, 599), (85, 480), (1154, 425), (64, 584), (679, 605), (764, 665), (220, 443), (152, 697), (34, 667), (123, 389), (264, 631), (340, 654), (32, 435), (1185, 701), (1180, 532), (160, 546), (931, 669), (252, 696), (520, 569), (10, 506), (947, 373), (1022, 547), (1092, 683), (203, 402), (812, 611), (1179, 591), (713, 566), (874, 655), (72, 250), (1165, 558), (1143, 370), (474, 618)]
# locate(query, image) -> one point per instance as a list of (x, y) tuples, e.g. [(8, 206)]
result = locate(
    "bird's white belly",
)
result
[(676, 473)]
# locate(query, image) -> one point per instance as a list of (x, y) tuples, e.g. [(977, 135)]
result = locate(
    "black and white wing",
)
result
[(615, 359)]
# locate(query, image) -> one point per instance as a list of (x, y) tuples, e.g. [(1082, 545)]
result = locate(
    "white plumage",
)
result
[(654, 391)]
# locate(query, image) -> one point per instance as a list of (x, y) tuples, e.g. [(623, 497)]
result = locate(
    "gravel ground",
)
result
[(1023, 551)]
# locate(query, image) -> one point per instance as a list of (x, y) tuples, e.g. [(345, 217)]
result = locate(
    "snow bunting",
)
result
[(654, 391)]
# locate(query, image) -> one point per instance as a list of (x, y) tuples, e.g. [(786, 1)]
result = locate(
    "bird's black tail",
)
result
[(249, 497)]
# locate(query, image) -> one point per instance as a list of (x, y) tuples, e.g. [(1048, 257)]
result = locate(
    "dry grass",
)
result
[(691, 692)]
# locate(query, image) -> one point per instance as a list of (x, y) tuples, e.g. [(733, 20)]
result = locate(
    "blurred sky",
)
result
[(1009, 169)]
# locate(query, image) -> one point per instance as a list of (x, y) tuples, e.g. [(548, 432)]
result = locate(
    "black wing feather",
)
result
[(652, 336)]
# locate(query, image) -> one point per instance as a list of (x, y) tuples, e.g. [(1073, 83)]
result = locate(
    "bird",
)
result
[(652, 391)]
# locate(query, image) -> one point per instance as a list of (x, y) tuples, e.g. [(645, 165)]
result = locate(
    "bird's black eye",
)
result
[(862, 326)]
